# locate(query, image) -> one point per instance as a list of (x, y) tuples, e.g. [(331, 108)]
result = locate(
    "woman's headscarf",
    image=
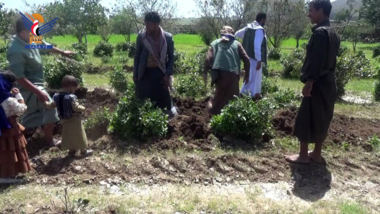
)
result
[(5, 93)]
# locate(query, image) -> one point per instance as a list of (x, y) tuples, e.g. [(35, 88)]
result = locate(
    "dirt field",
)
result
[(192, 161)]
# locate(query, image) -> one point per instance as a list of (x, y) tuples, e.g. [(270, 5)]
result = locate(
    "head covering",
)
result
[(227, 33), (5, 88)]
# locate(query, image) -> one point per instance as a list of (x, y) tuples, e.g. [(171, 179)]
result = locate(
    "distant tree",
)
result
[(282, 19), (166, 8), (8, 19), (76, 17), (216, 13), (301, 26), (370, 11), (122, 23), (105, 32), (354, 31), (342, 15), (347, 14)]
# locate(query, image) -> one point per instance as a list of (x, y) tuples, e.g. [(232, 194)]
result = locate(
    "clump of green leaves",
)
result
[(190, 85), (103, 49), (284, 98), (292, 64), (125, 47), (374, 142), (180, 64), (106, 59), (269, 86), (58, 68), (362, 65), (244, 118), (80, 50), (118, 80), (376, 51), (101, 117), (138, 119), (274, 54)]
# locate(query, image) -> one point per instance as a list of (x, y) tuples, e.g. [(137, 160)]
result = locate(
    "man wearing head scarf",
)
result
[(255, 43), (223, 59)]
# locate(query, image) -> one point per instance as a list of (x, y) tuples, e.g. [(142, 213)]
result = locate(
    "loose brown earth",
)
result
[(190, 132)]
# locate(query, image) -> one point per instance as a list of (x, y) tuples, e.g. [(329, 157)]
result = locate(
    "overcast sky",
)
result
[(185, 7)]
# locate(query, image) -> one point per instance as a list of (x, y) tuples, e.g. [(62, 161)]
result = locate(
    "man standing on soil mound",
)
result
[(223, 58), (320, 91), (153, 65), (255, 43), (26, 65)]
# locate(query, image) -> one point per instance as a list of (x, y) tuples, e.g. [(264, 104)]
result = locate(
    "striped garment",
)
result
[(64, 102)]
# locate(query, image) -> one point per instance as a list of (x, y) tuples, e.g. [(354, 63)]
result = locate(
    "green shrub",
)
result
[(376, 93), (274, 54), (284, 98), (344, 72), (98, 118), (4, 64), (103, 49), (343, 50), (123, 46), (180, 64), (269, 86), (132, 50), (80, 50), (362, 65), (376, 51), (118, 80), (374, 142), (244, 118), (207, 36), (123, 60), (137, 119), (58, 68), (106, 59), (190, 85), (197, 62), (293, 63), (3, 48)]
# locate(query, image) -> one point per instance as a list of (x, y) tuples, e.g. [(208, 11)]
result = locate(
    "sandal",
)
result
[(87, 153)]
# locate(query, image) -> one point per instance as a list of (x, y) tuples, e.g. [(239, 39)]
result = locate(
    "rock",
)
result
[(219, 179), (77, 169), (281, 174), (187, 182)]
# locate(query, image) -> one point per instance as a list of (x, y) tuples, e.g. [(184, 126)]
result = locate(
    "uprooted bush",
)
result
[(80, 50), (58, 68), (244, 118), (138, 119), (103, 49), (292, 63), (118, 80), (96, 125), (274, 54), (190, 85)]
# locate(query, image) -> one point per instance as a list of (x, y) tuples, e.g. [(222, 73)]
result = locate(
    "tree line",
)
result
[(285, 18)]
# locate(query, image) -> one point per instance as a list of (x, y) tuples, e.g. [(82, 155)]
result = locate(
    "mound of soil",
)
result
[(190, 128), (342, 129), (99, 99), (99, 70)]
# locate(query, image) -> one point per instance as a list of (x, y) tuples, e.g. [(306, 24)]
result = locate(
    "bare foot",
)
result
[(316, 158), (297, 159)]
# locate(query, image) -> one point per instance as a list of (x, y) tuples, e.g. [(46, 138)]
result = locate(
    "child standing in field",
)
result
[(13, 156), (69, 111)]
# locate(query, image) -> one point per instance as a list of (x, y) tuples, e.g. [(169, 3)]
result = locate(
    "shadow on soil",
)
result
[(312, 181)]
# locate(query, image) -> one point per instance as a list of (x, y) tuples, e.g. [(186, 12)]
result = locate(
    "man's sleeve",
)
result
[(240, 33), (259, 37), (318, 56), (209, 60), (170, 63), (17, 64), (137, 56), (244, 56)]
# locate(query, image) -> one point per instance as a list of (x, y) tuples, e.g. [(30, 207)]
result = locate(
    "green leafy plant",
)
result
[(244, 118), (58, 68), (68, 205), (374, 142), (106, 59), (122, 47), (362, 65), (118, 80), (376, 51), (138, 119), (269, 86), (196, 63), (284, 98), (190, 85), (80, 50), (132, 50), (274, 54), (103, 49), (98, 118), (344, 73), (180, 65), (346, 146), (292, 64)]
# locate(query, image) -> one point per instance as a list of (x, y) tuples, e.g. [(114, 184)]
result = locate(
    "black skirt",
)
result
[(316, 112)]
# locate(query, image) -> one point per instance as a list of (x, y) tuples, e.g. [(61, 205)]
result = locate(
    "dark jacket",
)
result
[(321, 53), (142, 54)]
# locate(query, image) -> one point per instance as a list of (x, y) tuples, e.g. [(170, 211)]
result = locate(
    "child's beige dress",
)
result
[(69, 110)]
